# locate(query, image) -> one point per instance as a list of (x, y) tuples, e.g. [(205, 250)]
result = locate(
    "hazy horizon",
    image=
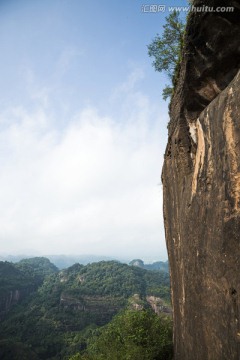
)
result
[(85, 257)]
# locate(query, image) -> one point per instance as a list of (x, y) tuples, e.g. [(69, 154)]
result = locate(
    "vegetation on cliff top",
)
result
[(167, 49), (26, 274)]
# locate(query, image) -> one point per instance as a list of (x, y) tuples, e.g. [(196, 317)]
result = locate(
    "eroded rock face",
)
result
[(158, 305), (201, 181), (102, 308), (11, 298)]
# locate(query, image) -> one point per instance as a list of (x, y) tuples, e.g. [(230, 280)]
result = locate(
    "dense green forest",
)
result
[(133, 335), (52, 314), (27, 274)]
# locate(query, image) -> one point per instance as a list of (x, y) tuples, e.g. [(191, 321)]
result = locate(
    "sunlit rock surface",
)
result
[(201, 182)]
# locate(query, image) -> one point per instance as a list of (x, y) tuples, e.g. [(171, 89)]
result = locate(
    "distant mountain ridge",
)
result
[(156, 266), (65, 261), (61, 261)]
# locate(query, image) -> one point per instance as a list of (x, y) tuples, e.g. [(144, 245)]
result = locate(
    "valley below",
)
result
[(47, 313)]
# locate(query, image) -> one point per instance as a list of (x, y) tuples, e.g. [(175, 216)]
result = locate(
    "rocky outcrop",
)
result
[(201, 182), (158, 305), (11, 298), (101, 308), (7, 300)]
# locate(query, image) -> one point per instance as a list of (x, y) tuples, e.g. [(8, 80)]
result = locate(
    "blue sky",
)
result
[(82, 129)]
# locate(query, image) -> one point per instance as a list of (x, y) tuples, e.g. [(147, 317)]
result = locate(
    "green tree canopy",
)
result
[(166, 50), (133, 335)]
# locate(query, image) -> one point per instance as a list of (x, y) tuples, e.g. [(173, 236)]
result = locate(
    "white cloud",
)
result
[(91, 187)]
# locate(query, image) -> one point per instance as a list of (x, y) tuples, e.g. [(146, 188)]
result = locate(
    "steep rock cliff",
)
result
[(14, 287), (18, 281), (11, 298), (201, 182)]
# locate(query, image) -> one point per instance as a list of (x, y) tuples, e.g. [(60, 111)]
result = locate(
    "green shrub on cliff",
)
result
[(166, 50)]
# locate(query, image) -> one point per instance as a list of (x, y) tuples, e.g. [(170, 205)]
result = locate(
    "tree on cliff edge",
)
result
[(166, 50)]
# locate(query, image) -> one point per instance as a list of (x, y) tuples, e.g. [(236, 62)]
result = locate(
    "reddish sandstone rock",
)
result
[(201, 182)]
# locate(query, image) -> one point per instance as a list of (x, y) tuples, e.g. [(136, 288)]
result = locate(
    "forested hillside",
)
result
[(18, 281), (59, 316)]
